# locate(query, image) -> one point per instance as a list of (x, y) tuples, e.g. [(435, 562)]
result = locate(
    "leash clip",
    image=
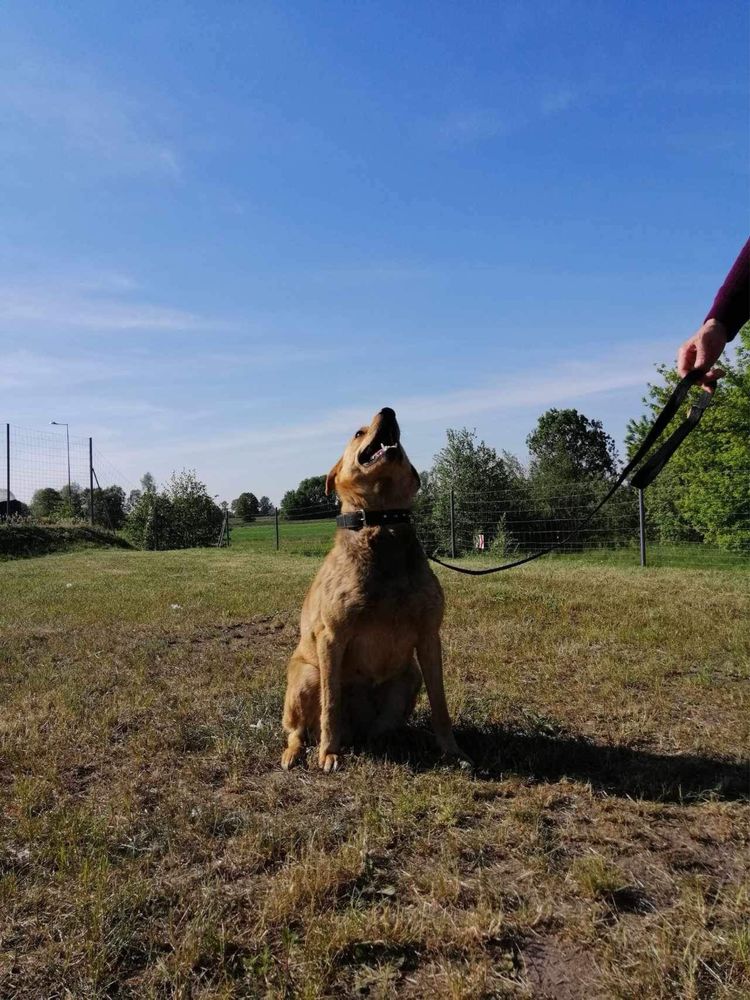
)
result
[(700, 405)]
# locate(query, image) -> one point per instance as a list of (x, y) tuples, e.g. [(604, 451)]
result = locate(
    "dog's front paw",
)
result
[(328, 761), (290, 757), (451, 749)]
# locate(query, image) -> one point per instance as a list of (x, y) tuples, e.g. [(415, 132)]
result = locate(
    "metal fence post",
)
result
[(642, 526), (453, 525), (7, 471), (276, 518), (91, 481)]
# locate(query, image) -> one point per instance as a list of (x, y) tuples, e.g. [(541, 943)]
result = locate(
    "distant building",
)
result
[(17, 508)]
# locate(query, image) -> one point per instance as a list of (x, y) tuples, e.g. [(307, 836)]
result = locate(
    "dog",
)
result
[(370, 624)]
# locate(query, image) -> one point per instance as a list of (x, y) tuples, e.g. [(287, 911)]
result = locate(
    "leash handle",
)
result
[(642, 478), (656, 462)]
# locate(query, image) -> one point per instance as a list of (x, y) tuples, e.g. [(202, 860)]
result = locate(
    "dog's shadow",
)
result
[(498, 752)]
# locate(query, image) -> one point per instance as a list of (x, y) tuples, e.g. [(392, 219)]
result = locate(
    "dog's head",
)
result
[(374, 472)]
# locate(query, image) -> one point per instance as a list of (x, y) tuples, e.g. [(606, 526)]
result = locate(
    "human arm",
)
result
[(729, 312)]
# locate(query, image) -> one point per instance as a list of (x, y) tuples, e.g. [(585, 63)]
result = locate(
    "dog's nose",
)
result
[(388, 412)]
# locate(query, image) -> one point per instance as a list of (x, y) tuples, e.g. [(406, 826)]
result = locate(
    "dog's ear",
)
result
[(416, 476), (331, 477)]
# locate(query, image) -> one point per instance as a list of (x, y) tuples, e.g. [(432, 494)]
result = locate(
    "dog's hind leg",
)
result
[(301, 708), (396, 700)]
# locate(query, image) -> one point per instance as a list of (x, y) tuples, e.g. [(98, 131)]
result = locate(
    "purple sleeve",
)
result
[(732, 303)]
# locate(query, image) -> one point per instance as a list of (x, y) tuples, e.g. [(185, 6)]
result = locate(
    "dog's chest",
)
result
[(387, 627)]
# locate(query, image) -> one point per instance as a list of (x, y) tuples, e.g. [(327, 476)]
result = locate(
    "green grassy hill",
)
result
[(21, 540)]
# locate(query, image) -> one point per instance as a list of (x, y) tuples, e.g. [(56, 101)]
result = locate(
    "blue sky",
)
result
[(231, 231)]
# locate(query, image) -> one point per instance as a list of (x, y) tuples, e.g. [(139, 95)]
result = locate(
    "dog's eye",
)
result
[(359, 434)]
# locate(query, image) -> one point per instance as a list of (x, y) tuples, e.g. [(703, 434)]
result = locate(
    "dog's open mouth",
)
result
[(377, 450)]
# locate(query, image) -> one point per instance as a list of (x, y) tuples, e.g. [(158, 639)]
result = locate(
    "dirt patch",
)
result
[(239, 633), (557, 970)]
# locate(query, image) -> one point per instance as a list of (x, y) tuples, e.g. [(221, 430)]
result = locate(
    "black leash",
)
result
[(645, 475)]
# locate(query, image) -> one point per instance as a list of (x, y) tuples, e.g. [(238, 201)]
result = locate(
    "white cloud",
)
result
[(278, 455), (569, 383), (89, 305), (29, 370), (43, 100)]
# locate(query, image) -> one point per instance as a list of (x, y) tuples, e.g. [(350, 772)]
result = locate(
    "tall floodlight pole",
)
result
[(59, 423)]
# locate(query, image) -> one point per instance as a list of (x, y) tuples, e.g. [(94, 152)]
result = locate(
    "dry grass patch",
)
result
[(151, 847)]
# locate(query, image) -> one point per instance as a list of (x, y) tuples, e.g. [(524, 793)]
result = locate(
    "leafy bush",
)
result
[(181, 516)]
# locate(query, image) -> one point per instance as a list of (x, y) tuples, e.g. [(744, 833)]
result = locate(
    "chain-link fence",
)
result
[(53, 474), (488, 528)]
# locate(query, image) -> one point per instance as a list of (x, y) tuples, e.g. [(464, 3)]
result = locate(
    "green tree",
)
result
[(196, 519), (703, 494), (483, 493), (71, 502), (133, 497), (573, 462), (109, 506), (246, 507), (572, 445), (46, 503), (148, 483), (265, 507), (148, 521), (309, 500)]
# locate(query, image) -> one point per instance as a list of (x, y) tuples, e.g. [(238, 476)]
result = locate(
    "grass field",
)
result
[(151, 846), (313, 538)]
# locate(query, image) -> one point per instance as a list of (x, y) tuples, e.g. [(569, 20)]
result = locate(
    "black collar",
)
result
[(371, 518)]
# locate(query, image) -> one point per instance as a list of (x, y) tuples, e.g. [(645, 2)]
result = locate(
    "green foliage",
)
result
[(573, 462), (181, 516), (309, 500), (71, 503), (49, 504), (46, 504), (148, 524), (109, 506), (570, 446), (246, 507), (148, 483), (265, 507), (196, 519), (703, 494), (483, 491), (518, 509)]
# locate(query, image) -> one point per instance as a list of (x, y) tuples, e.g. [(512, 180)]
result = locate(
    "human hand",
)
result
[(702, 350)]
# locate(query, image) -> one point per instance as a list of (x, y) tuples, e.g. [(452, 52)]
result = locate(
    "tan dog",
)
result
[(374, 603)]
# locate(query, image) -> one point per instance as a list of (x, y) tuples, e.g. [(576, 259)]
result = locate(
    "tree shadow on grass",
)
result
[(498, 752)]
